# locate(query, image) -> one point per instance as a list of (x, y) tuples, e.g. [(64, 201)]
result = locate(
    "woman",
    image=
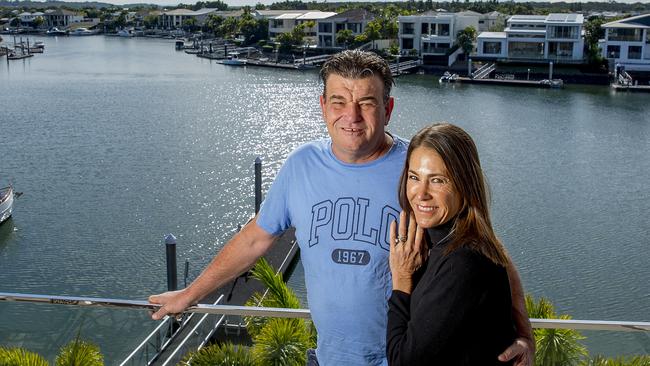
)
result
[(451, 301)]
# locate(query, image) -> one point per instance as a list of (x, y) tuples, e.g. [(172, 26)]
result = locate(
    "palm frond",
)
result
[(20, 357), (282, 342), (225, 354)]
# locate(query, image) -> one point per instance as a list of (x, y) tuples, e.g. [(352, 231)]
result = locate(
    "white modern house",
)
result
[(354, 20), (61, 18), (290, 19), (431, 35), (531, 38), (173, 19), (627, 42)]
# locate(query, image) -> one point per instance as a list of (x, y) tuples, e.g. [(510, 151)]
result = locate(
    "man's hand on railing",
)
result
[(522, 352), (173, 303)]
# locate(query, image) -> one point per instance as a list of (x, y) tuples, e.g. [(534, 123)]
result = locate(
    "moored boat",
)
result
[(233, 60), (81, 32), (54, 31), (6, 203)]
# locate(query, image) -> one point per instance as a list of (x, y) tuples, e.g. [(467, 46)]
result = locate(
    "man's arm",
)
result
[(237, 256), (523, 350)]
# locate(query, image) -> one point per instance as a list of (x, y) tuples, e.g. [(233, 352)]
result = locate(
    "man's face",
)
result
[(355, 114)]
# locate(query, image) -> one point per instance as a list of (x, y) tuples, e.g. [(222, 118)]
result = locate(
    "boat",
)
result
[(448, 77), (81, 32), (54, 31), (39, 44), (233, 60), (126, 33), (6, 203), (552, 83), (15, 56)]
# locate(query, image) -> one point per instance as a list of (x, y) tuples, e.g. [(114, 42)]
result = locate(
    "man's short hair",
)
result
[(355, 64)]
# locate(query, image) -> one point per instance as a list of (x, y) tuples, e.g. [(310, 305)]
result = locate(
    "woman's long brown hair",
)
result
[(472, 225)]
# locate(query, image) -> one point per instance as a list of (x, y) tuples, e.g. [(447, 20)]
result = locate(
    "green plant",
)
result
[(600, 360), (20, 357), (555, 347), (282, 342), (79, 353), (279, 295), (225, 354)]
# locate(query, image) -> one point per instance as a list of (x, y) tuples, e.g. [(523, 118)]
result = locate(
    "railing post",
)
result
[(550, 70), (170, 249), (258, 184)]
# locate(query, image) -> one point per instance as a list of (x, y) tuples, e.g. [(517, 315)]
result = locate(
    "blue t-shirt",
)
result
[(342, 214)]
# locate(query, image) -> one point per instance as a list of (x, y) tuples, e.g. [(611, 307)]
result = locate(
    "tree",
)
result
[(38, 22), (593, 33), (14, 22), (555, 347), (189, 24), (345, 37), (213, 25), (465, 39), (150, 21)]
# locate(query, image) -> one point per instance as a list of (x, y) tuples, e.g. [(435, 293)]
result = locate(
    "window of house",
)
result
[(491, 48), (625, 34), (563, 32), (407, 43), (634, 52), (408, 28), (443, 30), (278, 23), (340, 27), (613, 51), (425, 28), (355, 27), (325, 27)]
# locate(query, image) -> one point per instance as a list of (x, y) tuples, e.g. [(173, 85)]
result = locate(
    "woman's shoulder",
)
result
[(468, 258)]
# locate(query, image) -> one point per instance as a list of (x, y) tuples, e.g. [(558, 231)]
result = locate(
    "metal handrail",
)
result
[(624, 326)]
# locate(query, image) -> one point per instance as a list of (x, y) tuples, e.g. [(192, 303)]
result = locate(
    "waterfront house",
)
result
[(28, 19), (492, 22), (173, 19), (61, 18), (627, 42), (535, 38), (289, 19), (354, 20), (432, 35)]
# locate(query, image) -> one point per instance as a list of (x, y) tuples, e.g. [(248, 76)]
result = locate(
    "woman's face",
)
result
[(432, 195)]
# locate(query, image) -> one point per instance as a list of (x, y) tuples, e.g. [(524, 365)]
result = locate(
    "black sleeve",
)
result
[(446, 297)]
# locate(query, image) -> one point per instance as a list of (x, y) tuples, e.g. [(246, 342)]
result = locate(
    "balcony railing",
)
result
[(205, 327)]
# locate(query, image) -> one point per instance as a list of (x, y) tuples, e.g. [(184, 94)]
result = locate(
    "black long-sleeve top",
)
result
[(459, 313)]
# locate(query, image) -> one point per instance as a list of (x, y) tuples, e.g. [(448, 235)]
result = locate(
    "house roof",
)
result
[(469, 12), (565, 18), (313, 15), (59, 12), (492, 35), (353, 15), (639, 21)]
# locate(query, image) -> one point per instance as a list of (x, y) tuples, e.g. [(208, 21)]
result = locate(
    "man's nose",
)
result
[(353, 112)]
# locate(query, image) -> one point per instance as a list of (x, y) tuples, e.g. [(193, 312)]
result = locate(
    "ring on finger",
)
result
[(402, 238)]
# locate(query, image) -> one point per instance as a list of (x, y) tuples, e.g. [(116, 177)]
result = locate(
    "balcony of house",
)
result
[(435, 48), (526, 51), (563, 52), (556, 32), (625, 35)]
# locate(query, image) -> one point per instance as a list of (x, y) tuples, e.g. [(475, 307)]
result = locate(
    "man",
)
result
[(341, 196)]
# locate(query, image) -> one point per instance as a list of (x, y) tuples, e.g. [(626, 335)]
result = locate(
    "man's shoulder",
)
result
[(320, 146)]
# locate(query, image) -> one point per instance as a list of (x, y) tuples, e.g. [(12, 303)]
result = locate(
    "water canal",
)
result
[(116, 142)]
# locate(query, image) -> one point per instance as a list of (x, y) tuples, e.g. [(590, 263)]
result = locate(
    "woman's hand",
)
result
[(407, 252)]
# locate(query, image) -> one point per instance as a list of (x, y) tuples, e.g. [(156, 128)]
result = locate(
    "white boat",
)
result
[(54, 31), (126, 33), (81, 32), (233, 59), (448, 77), (6, 203)]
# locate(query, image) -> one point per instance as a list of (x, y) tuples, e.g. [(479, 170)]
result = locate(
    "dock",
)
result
[(170, 342), (522, 83), (632, 88)]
